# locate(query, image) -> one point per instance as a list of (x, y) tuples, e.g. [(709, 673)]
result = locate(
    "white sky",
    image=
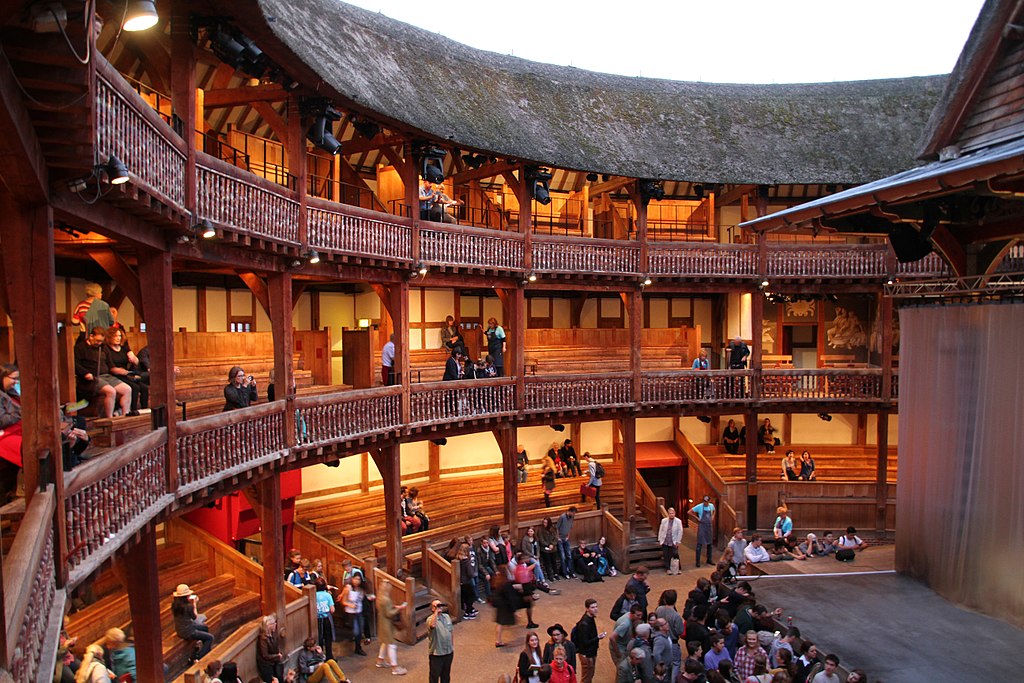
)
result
[(725, 41)]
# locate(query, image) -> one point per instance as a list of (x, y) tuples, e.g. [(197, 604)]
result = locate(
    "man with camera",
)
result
[(440, 646)]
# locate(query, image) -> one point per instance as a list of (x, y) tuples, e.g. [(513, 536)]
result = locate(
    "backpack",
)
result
[(598, 470)]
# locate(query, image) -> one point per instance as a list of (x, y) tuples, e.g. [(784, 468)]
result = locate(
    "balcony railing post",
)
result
[(885, 321), (184, 100), (297, 165), (279, 294)]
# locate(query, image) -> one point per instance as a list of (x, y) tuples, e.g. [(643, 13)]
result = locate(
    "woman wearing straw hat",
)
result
[(189, 624)]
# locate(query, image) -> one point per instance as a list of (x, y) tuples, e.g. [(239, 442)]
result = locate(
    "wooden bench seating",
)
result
[(355, 521), (832, 463)]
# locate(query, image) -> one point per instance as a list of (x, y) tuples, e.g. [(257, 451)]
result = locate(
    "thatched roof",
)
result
[(848, 132)]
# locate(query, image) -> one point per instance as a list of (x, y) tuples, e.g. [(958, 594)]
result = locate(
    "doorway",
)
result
[(801, 342)]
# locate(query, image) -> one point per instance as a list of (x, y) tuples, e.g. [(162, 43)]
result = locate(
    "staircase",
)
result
[(643, 547)]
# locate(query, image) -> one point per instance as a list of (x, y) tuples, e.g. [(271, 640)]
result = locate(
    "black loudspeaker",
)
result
[(229, 673), (908, 243)]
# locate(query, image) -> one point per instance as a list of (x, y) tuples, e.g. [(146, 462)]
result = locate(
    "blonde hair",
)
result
[(93, 289), (266, 622)]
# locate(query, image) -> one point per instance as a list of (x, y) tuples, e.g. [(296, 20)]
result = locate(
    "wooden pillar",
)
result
[(506, 438), (279, 295), (641, 227), (576, 434), (518, 340), (295, 148), (184, 96), (885, 321), (142, 576), (634, 301), (400, 321), (265, 498), (26, 247), (882, 471), (155, 283), (750, 422), (628, 468), (409, 174), (389, 465), (434, 461), (756, 316)]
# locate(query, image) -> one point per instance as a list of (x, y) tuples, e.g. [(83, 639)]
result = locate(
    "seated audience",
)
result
[(93, 669), (828, 543), (124, 365), (570, 462), (414, 506), (848, 544), (731, 438), (120, 656), (738, 545), (240, 391), (93, 379), (807, 467), (606, 560), (10, 432), (92, 311), (790, 467), (448, 331), (756, 552), (314, 666), (189, 624), (585, 562), (810, 547), (766, 435)]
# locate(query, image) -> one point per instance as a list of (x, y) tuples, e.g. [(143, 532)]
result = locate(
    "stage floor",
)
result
[(894, 628)]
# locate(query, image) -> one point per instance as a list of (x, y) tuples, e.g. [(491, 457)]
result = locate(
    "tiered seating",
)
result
[(553, 360), (832, 463), (204, 378), (225, 605), (355, 521)]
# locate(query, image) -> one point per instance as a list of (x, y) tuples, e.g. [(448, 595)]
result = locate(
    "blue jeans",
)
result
[(565, 552)]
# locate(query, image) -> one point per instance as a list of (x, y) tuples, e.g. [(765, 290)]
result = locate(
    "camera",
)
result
[(441, 607), (251, 378)]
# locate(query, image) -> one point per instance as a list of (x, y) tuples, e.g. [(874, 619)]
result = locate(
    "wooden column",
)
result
[(576, 434), (628, 468), (750, 422), (635, 306), (882, 471), (265, 498), (279, 296), (400, 321), (409, 174), (885, 321), (295, 147), (183, 97), (26, 243), (142, 576), (518, 341), (506, 438), (389, 465), (524, 195), (756, 316), (155, 283), (434, 461), (641, 226)]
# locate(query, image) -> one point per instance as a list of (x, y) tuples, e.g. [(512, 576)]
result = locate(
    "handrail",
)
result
[(575, 392), (344, 415), (617, 535), (442, 577), (648, 503), (401, 591), (473, 247), (345, 229), (441, 402), (30, 581)]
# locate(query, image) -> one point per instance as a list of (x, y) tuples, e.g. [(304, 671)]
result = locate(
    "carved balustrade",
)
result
[(567, 255), (696, 386), (575, 392), (443, 402), (30, 590), (345, 415), (931, 265), (822, 384), (826, 261), (108, 499), (128, 128), (702, 259), (243, 201), (219, 446), (351, 230), (471, 247)]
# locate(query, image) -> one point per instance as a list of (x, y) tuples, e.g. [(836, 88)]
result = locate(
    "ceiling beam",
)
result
[(353, 146), (610, 186), (234, 97), (485, 171), (121, 273), (22, 166), (734, 193)]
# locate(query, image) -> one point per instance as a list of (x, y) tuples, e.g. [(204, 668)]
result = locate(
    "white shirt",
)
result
[(755, 554), (387, 355), (673, 536)]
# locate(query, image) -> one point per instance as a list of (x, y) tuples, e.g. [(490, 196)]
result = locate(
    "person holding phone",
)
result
[(240, 391)]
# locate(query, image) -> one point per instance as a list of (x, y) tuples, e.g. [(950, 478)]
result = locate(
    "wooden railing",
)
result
[(442, 577), (351, 230), (931, 265), (30, 594), (708, 482), (471, 247), (315, 546), (567, 255), (647, 503), (617, 536), (108, 499), (401, 591), (219, 446), (345, 415), (573, 392), (703, 259), (822, 384), (826, 261), (696, 386), (442, 402), (128, 128), (239, 200)]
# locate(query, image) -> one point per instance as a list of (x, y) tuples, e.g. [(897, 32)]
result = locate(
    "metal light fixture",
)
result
[(532, 277), (321, 133), (313, 257), (140, 15), (764, 283), (647, 282), (206, 229), (651, 189), (539, 180), (295, 263), (184, 239), (421, 268), (432, 163), (114, 170), (825, 416)]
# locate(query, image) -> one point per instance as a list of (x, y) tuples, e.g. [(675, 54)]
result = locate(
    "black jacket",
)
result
[(239, 397), (584, 636), (451, 370)]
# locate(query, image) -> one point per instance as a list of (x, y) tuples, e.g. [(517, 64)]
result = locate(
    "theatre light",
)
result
[(206, 229), (558, 428), (647, 282), (651, 189), (825, 416), (704, 418), (431, 162), (114, 170), (421, 268), (368, 129), (539, 180), (312, 256), (439, 442), (321, 133), (140, 15)]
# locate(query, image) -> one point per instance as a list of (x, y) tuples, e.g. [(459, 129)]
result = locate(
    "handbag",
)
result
[(588, 491)]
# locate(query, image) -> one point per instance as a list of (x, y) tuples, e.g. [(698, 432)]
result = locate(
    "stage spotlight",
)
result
[(295, 263), (114, 170), (763, 283), (651, 189), (439, 442), (531, 277), (78, 185), (698, 191), (312, 257), (704, 418), (421, 268), (184, 239), (432, 163), (558, 428), (321, 133), (206, 229), (825, 416), (539, 180), (592, 177), (140, 15), (647, 282)]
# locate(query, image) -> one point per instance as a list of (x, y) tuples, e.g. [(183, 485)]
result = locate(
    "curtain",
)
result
[(960, 497)]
